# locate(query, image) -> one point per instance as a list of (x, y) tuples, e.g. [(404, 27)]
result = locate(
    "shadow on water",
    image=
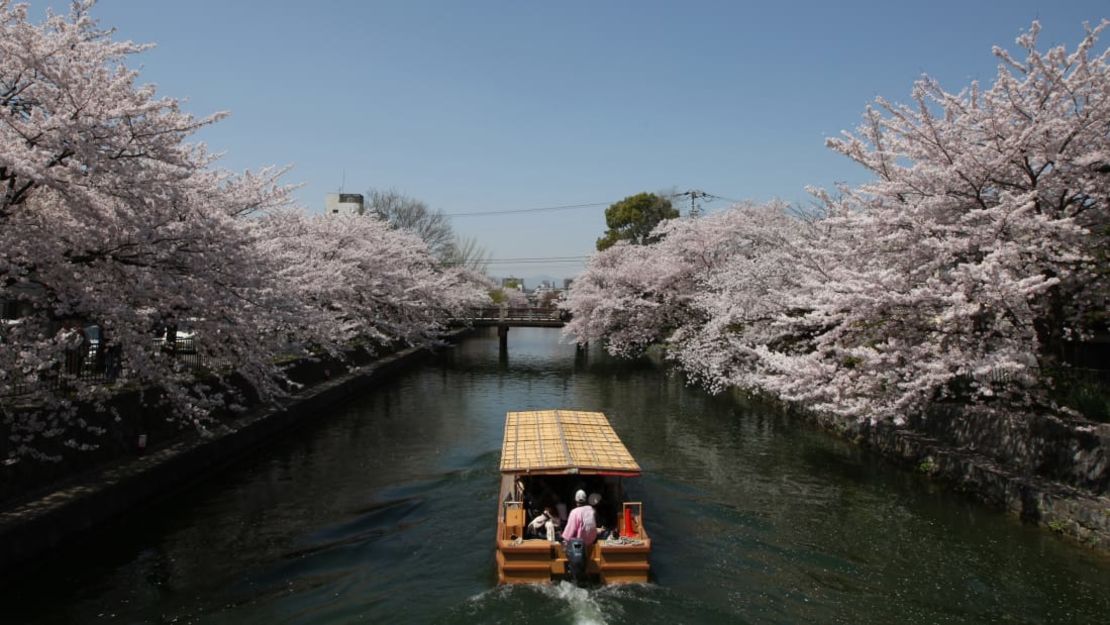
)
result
[(384, 512)]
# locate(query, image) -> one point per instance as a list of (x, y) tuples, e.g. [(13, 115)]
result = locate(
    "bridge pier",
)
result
[(503, 336)]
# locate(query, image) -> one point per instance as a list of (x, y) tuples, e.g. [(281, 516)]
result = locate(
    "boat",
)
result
[(546, 457)]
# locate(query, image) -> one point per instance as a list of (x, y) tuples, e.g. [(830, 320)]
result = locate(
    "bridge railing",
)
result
[(494, 313)]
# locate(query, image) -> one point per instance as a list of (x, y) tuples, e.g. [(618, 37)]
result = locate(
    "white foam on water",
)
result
[(573, 604), (583, 606), (493, 593), (643, 593)]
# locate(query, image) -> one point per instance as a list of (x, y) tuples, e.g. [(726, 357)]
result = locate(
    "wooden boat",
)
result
[(546, 457)]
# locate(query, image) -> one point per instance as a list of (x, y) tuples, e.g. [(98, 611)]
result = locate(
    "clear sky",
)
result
[(484, 106)]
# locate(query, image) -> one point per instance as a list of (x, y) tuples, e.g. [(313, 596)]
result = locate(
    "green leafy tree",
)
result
[(633, 218)]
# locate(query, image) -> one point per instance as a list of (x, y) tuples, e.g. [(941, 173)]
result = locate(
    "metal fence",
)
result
[(98, 364), (515, 314)]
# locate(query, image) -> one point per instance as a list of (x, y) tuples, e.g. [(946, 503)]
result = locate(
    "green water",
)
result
[(383, 512)]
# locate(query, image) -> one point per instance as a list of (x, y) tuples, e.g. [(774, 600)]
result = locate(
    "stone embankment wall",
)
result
[(133, 413), (1049, 470), (46, 519)]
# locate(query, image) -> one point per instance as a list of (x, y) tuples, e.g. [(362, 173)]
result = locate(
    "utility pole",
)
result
[(695, 210)]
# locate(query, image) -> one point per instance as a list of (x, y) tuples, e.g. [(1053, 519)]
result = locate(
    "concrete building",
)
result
[(344, 204)]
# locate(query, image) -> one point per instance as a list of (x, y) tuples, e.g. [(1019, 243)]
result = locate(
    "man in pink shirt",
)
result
[(581, 523)]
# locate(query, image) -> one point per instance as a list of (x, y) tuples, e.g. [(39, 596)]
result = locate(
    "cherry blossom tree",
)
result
[(749, 261), (628, 297), (633, 296), (975, 254), (363, 279), (961, 271), (109, 216), (510, 297)]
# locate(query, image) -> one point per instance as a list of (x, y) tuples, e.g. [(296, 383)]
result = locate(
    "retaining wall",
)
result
[(48, 521), (1050, 471)]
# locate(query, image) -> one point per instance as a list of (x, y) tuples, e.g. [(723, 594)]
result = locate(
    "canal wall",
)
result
[(51, 518), (1048, 470)]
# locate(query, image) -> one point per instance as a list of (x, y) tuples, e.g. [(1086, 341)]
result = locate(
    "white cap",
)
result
[(595, 498), (580, 496)]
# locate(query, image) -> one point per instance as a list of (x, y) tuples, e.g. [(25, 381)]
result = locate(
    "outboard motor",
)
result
[(576, 561)]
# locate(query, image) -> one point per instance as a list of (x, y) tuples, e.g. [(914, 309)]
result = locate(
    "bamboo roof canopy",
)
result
[(563, 442)]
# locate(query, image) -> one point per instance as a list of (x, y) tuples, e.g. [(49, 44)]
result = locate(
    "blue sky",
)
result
[(476, 106)]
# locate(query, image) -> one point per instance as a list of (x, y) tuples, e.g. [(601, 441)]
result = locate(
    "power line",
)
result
[(578, 257), (721, 197), (570, 261), (696, 194), (527, 210), (692, 194)]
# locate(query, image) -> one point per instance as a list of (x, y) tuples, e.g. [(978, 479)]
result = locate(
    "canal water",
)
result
[(383, 512)]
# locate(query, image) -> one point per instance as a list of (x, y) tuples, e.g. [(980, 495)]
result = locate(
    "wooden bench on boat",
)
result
[(558, 452)]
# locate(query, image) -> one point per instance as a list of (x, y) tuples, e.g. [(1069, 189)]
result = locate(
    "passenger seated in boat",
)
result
[(547, 520), (529, 497), (601, 518), (561, 512), (581, 524), (557, 506)]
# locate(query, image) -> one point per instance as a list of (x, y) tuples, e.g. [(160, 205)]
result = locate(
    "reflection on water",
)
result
[(384, 512)]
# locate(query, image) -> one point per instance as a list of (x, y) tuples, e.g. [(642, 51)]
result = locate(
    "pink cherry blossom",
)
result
[(110, 216), (961, 271)]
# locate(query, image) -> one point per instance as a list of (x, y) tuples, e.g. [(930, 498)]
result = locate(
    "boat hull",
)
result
[(538, 561)]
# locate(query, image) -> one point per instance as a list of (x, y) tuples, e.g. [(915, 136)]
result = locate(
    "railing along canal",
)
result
[(514, 314), (95, 363)]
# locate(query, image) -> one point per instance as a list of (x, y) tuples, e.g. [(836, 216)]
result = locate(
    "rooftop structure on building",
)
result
[(344, 204)]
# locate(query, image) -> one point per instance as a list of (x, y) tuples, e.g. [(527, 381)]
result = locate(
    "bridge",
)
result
[(515, 317), (505, 318)]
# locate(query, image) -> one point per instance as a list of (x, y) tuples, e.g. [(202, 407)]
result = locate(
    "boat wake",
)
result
[(582, 604), (555, 603)]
